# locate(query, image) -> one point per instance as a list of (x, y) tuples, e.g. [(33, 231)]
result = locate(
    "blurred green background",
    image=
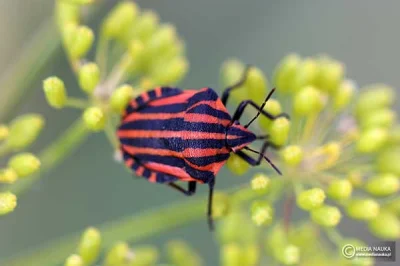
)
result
[(90, 188)]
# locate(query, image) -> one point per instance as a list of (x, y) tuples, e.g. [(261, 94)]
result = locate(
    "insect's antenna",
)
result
[(266, 158), (261, 108)]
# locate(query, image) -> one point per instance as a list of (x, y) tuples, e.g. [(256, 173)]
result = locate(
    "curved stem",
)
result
[(15, 81), (132, 229), (54, 154)]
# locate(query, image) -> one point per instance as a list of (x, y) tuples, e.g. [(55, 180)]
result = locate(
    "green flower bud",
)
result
[(327, 216), (256, 84), (292, 155), (236, 227), (384, 118), (118, 255), (94, 118), (262, 213), (136, 51), (24, 130), (8, 176), (374, 97), (89, 246), (171, 72), (231, 72), (372, 140), (393, 206), (386, 225), (120, 20), (307, 101), (161, 40), (280, 131), (121, 97), (144, 256), (330, 74), (356, 178), (181, 254), (288, 254), (260, 183), (343, 95), (80, 42), (146, 25), (54, 90), (221, 205), (74, 260), (237, 165), (4, 132), (363, 209), (66, 13), (305, 75), (251, 254), (388, 161), (383, 185), (273, 107), (8, 202), (24, 164), (285, 73), (311, 199), (231, 255), (340, 189), (89, 77)]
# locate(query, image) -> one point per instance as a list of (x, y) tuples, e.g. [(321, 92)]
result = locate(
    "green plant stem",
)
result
[(36, 53), (77, 103), (132, 229), (54, 154)]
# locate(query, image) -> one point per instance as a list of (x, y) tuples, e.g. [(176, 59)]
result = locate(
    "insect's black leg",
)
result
[(227, 91), (261, 156), (210, 204), (242, 106), (189, 192)]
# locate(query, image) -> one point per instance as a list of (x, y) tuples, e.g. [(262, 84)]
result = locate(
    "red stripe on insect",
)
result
[(202, 118), (187, 135), (180, 98), (145, 96), (129, 162), (196, 152), (171, 170), (153, 177), (158, 92), (138, 116), (213, 167), (162, 152), (133, 104), (140, 170)]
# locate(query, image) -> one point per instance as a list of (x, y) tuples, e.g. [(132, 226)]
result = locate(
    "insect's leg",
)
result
[(189, 191), (242, 106), (261, 156), (227, 91), (210, 204)]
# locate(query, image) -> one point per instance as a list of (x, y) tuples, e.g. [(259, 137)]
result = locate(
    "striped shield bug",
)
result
[(168, 135)]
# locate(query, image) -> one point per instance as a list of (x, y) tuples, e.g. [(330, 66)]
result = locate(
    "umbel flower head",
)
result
[(134, 52), (338, 153)]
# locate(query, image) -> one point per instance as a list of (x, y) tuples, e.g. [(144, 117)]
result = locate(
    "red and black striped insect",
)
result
[(169, 135)]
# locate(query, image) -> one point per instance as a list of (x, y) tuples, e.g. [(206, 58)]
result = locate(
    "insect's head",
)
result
[(238, 137)]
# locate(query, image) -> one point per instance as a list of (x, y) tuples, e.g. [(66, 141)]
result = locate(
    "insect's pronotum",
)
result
[(168, 134)]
